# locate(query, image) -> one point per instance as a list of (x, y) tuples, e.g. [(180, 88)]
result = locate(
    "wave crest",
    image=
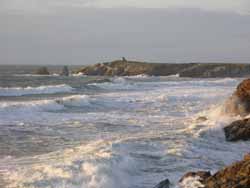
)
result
[(22, 91)]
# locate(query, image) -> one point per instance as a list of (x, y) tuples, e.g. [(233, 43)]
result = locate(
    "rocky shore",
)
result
[(236, 175), (199, 70)]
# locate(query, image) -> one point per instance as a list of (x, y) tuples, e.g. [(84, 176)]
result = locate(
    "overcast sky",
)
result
[(91, 31)]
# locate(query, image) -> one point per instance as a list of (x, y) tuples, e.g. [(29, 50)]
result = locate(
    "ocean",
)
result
[(111, 132)]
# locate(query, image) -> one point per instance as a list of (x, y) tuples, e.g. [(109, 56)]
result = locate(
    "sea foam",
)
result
[(21, 91)]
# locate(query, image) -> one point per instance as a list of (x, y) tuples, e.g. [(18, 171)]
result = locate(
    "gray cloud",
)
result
[(239, 6), (83, 36)]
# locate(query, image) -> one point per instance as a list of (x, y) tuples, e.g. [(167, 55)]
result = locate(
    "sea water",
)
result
[(111, 132)]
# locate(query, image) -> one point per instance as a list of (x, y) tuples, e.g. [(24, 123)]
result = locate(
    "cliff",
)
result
[(199, 70)]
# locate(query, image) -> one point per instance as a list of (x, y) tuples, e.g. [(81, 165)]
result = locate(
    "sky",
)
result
[(90, 31), (239, 6)]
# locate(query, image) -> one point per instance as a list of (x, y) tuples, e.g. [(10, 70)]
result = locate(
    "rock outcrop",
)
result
[(239, 102), (243, 94), (65, 71), (236, 175), (238, 130), (42, 71), (200, 70)]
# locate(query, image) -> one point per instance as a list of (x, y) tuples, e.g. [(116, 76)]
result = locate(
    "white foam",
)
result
[(225, 80), (117, 83), (36, 75), (138, 76), (45, 105), (79, 74), (74, 101), (173, 76), (191, 182), (50, 89), (93, 165)]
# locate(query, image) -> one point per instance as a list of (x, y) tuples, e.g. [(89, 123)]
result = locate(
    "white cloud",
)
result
[(239, 6)]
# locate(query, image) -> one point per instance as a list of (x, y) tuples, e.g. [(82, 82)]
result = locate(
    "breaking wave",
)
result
[(116, 83), (22, 91), (46, 105)]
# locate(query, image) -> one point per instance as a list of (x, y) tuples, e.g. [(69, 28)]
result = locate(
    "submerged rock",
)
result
[(163, 184), (238, 130), (42, 71)]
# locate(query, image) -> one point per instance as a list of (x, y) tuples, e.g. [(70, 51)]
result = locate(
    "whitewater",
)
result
[(119, 132)]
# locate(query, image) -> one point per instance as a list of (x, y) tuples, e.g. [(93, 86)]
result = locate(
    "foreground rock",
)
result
[(201, 70), (238, 130), (239, 102), (42, 71), (235, 176)]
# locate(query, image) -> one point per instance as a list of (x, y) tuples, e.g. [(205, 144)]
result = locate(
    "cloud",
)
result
[(238, 6)]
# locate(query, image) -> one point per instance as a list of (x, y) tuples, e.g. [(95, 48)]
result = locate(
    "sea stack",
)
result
[(65, 71)]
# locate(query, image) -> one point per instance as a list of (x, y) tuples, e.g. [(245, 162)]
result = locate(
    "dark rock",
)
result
[(163, 184), (42, 71), (203, 175), (235, 176), (238, 130), (65, 71)]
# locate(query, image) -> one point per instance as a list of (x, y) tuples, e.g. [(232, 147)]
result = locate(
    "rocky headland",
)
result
[(200, 70)]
